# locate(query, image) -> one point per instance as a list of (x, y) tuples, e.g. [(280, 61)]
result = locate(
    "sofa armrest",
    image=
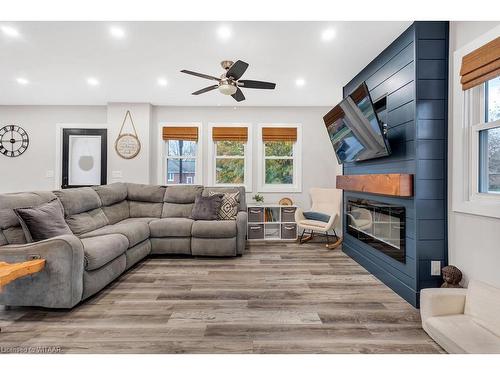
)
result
[(441, 301), (58, 285), (241, 231)]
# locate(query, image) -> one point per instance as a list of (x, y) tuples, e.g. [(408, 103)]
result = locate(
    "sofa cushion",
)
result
[(137, 219), (101, 250), (229, 207), (117, 212), (87, 221), (145, 193), (171, 227), (43, 221), (214, 229), (242, 206), (206, 208), (182, 194), (461, 334), (135, 231), (483, 305), (112, 193), (10, 227), (177, 209), (78, 200), (94, 281), (145, 209)]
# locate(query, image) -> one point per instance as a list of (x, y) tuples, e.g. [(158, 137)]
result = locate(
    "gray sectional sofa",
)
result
[(114, 227)]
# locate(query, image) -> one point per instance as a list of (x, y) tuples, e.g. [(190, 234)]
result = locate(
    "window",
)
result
[(489, 139), (279, 164), (230, 160), (181, 160)]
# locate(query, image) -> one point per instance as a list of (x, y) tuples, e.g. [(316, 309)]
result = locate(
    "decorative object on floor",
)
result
[(271, 222), (127, 145), (258, 198), (14, 141), (285, 202), (325, 202), (207, 208), (463, 320), (229, 83), (229, 207), (452, 277)]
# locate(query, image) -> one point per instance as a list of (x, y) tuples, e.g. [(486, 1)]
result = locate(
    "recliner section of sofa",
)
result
[(115, 226)]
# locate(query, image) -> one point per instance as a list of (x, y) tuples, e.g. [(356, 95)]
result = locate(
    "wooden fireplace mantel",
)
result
[(398, 185)]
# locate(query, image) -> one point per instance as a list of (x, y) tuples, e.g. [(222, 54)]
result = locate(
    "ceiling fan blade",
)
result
[(238, 95), (201, 75), (237, 69), (206, 89), (249, 84)]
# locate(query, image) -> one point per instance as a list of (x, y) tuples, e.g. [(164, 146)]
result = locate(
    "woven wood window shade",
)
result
[(279, 134), (220, 133), (180, 133), (481, 65)]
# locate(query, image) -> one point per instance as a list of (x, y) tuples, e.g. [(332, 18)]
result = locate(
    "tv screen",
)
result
[(355, 130)]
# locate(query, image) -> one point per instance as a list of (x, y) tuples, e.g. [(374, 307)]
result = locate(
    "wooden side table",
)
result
[(12, 271)]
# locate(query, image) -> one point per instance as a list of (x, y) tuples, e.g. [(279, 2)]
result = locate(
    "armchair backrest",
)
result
[(327, 201)]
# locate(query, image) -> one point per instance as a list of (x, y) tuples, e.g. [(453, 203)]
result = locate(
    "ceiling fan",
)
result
[(229, 82)]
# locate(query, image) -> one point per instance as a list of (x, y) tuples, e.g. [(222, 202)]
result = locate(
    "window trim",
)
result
[(468, 118), (248, 148), (161, 168), (296, 187)]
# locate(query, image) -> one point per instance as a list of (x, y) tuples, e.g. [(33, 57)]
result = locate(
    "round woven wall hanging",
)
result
[(127, 145)]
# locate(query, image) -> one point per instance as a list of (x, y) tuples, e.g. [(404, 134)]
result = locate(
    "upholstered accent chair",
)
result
[(323, 201)]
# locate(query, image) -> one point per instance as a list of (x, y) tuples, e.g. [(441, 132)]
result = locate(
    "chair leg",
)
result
[(306, 239), (302, 236), (327, 239)]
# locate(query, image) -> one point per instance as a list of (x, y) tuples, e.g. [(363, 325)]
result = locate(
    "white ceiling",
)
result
[(58, 57)]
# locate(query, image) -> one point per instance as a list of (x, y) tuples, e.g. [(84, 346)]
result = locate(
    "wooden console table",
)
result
[(12, 271)]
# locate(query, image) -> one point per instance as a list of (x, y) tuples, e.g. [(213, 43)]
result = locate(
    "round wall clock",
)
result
[(14, 141)]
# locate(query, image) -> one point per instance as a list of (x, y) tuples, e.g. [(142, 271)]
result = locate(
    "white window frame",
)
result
[(212, 155), (296, 187), (161, 167), (467, 120)]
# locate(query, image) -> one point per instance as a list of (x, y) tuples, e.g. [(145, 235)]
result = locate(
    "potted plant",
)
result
[(258, 198)]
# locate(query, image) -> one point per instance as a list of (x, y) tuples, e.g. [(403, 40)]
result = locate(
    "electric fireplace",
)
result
[(378, 224)]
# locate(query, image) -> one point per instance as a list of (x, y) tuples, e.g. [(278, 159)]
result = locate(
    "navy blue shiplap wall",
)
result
[(413, 73)]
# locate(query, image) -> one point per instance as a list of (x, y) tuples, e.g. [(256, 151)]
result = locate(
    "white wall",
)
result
[(319, 165), (28, 172), (474, 241)]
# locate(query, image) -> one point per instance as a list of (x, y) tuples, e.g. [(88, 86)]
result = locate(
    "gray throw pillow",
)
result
[(206, 208), (43, 221)]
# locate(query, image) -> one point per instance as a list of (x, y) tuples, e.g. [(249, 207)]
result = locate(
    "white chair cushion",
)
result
[(461, 334), (483, 305), (315, 224)]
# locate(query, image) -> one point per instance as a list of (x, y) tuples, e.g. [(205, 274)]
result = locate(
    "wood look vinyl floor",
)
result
[(277, 298)]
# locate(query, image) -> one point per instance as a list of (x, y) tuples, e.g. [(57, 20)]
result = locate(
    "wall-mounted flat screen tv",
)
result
[(355, 130)]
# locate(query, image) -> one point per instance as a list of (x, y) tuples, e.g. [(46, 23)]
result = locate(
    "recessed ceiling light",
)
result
[(117, 32), (300, 82), (93, 81), (10, 31), (328, 34), (224, 32), (162, 81), (22, 81)]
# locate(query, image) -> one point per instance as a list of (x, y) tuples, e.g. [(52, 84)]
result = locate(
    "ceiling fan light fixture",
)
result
[(227, 88)]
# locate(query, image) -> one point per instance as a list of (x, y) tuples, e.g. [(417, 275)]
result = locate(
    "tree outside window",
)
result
[(181, 161), (230, 162), (278, 159)]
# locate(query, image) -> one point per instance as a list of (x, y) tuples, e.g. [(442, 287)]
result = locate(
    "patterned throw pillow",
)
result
[(229, 208)]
